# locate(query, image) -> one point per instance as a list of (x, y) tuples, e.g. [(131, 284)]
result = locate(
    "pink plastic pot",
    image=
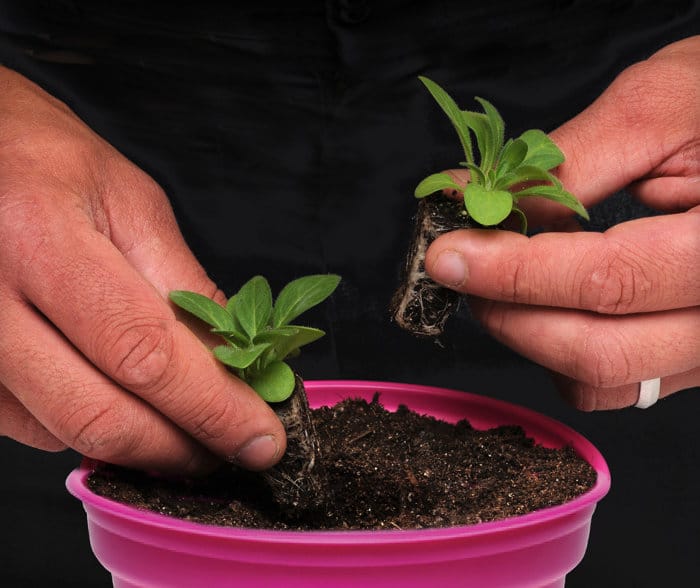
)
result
[(538, 549)]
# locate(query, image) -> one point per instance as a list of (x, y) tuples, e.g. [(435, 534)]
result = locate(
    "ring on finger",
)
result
[(648, 393)]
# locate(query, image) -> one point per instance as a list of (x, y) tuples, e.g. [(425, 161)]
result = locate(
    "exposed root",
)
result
[(298, 482), (420, 305)]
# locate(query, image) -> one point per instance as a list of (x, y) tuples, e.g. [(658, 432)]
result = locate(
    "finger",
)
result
[(670, 194), (141, 224), (637, 266), (81, 406), (589, 398), (17, 423), (639, 122), (125, 328), (143, 228), (597, 350)]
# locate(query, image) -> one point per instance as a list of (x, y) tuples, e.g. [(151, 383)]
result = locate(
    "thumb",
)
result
[(643, 126)]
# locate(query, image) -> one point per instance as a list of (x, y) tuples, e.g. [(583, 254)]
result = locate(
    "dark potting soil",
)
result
[(388, 470)]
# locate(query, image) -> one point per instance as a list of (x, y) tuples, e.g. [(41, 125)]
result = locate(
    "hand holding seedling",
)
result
[(91, 354), (604, 311), (505, 172)]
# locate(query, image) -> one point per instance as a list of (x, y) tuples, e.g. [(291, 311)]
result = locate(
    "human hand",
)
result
[(91, 353), (604, 311)]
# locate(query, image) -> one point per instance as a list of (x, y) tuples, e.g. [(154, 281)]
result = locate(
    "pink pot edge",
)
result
[(76, 480)]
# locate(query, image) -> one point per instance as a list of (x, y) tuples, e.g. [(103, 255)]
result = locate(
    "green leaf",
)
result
[(253, 305), (487, 207), (231, 305), (236, 338), (512, 155), (302, 294), (526, 173), (557, 194), (453, 112), (523, 219), (434, 183), (477, 176), (286, 341), (239, 358), (497, 128), (479, 124), (203, 308), (542, 152), (275, 383)]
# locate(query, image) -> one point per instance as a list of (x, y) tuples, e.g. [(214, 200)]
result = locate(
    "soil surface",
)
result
[(388, 470)]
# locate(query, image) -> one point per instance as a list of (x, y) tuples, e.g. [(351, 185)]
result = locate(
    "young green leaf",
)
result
[(556, 194), (239, 358), (285, 341), (453, 112), (512, 155), (275, 383), (487, 207), (497, 129), (479, 124), (236, 338), (542, 152), (254, 305), (231, 305), (477, 176), (302, 294), (525, 173), (204, 309), (434, 183)]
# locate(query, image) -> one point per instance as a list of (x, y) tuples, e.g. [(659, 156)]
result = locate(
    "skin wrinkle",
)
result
[(92, 434), (614, 283), (141, 354), (509, 277), (594, 365), (214, 426), (80, 440)]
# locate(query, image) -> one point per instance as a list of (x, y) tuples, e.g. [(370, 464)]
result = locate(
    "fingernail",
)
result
[(449, 269), (258, 454)]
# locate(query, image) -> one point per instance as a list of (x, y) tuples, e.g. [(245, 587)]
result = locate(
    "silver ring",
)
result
[(648, 393)]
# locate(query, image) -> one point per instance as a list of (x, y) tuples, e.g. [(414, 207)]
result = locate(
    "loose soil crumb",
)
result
[(388, 470)]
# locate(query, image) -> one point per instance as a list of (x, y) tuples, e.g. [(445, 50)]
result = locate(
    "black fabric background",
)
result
[(289, 139)]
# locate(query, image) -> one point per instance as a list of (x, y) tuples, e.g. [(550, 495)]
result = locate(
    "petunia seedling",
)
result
[(504, 172), (258, 334)]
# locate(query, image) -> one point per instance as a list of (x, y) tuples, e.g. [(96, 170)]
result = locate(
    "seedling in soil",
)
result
[(258, 336)]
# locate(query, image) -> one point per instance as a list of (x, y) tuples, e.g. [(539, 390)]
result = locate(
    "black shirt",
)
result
[(289, 138)]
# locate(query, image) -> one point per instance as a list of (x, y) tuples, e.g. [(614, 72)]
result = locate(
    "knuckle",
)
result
[(601, 358), (98, 429), (140, 354), (208, 418), (514, 279), (509, 278), (615, 283)]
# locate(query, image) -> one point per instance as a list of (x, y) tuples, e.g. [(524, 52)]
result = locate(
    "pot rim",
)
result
[(532, 422)]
